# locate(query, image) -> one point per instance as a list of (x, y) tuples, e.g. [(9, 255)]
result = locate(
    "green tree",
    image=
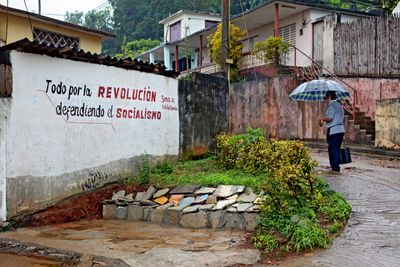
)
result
[(274, 50), (74, 17), (134, 48)]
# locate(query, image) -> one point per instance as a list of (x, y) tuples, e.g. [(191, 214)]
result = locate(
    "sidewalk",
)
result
[(358, 148)]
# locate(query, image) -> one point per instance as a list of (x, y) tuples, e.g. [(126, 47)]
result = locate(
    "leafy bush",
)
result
[(275, 50), (300, 211), (163, 167)]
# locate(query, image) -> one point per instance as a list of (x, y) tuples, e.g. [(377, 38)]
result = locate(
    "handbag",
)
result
[(345, 156)]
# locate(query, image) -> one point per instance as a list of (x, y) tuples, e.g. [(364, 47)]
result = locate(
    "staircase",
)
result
[(359, 127)]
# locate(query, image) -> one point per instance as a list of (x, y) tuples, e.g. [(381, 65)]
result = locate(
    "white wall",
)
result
[(45, 144), (3, 127)]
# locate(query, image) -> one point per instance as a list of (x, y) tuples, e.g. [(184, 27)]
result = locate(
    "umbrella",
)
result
[(315, 90)]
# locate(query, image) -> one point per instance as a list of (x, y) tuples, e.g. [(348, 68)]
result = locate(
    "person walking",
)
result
[(333, 121)]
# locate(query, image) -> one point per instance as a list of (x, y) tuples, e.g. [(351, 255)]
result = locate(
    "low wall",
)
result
[(265, 103), (71, 127), (203, 109), (388, 123)]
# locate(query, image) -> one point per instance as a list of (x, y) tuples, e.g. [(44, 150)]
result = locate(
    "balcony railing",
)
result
[(252, 60)]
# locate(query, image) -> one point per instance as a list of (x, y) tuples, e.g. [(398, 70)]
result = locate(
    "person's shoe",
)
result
[(334, 172)]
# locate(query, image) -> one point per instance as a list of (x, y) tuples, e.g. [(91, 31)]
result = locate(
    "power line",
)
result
[(29, 17)]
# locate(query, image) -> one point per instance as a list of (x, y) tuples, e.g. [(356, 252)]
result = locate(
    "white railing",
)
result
[(252, 60)]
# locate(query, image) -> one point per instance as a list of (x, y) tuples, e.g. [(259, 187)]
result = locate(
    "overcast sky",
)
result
[(56, 8)]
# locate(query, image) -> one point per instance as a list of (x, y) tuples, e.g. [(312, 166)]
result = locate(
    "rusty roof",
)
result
[(35, 47)]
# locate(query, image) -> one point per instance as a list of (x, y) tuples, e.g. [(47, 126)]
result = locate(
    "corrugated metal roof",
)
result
[(35, 47)]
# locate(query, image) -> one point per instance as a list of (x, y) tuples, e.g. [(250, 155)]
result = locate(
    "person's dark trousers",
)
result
[(334, 144)]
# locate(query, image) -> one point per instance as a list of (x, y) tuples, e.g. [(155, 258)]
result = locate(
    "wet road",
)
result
[(372, 236)]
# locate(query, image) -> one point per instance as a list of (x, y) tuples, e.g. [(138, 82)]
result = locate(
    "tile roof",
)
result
[(35, 47)]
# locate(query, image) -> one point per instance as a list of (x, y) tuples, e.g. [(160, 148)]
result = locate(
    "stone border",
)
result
[(220, 219)]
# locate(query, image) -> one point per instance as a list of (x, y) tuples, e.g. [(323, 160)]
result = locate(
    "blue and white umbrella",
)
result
[(315, 90)]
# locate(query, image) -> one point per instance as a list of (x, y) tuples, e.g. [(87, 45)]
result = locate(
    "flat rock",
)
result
[(223, 203), (206, 207), (200, 199), (121, 213), (176, 199), (228, 190), (184, 189), (129, 197), (255, 208), (234, 197), (195, 220), (191, 209), (211, 200), (161, 200), (140, 196), (247, 197), (119, 194), (148, 203), (232, 209), (165, 206), (205, 190), (187, 201), (161, 192), (242, 207), (109, 211), (150, 192)]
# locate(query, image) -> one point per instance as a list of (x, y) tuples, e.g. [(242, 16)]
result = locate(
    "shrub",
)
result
[(163, 167), (144, 169), (275, 50)]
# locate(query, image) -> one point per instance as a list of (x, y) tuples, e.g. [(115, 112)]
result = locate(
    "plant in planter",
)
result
[(273, 51)]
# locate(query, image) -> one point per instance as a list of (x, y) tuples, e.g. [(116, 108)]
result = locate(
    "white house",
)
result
[(306, 26)]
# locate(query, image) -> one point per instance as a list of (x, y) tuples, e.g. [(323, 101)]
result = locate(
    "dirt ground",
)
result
[(371, 238)]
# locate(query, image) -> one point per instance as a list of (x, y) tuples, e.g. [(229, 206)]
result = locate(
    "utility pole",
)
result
[(225, 12), (40, 7)]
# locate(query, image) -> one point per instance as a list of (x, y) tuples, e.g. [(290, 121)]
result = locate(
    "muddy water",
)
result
[(10, 260)]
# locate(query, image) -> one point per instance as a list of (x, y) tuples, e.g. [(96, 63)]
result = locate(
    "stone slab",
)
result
[(250, 221), (135, 213), (206, 207), (158, 216), (233, 221), (121, 213), (247, 197), (200, 199), (214, 219), (172, 217), (161, 200), (184, 189), (223, 203), (228, 190), (150, 192), (205, 191), (234, 197), (109, 211), (140, 196), (148, 213), (242, 207), (255, 208), (129, 197), (165, 206), (161, 193), (176, 199), (119, 194), (195, 220), (211, 200), (232, 209), (148, 203), (191, 209), (187, 201)]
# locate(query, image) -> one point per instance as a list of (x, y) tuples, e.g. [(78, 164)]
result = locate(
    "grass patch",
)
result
[(205, 172)]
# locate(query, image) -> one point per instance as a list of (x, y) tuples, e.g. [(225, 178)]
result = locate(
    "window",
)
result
[(288, 34), (210, 23), (55, 39), (175, 31)]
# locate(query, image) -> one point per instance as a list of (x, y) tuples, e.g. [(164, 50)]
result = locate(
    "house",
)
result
[(16, 24), (305, 25)]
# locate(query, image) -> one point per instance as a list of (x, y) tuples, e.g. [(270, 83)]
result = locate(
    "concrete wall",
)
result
[(3, 125), (265, 103), (203, 109), (369, 90), (52, 155), (20, 28), (388, 123)]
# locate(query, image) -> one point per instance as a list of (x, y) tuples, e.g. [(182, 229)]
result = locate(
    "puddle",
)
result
[(11, 260)]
